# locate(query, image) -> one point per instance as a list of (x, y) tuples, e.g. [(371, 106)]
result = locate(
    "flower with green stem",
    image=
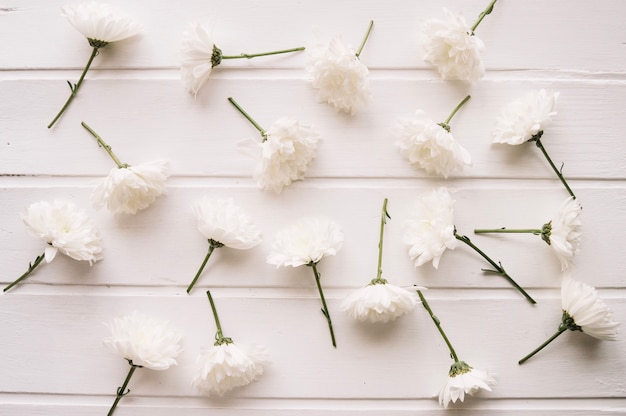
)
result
[(462, 378), (305, 243), (430, 146), (101, 24), (227, 364), (200, 55), (379, 301), (430, 231), (561, 233), (583, 311), (338, 74), (287, 149), (452, 46), (128, 188)]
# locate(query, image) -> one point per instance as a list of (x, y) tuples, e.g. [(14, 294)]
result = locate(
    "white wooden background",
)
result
[(53, 361)]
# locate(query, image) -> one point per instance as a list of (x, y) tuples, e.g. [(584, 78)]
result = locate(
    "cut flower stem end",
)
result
[(482, 15), (31, 268), (249, 118), (438, 325), (104, 145), (123, 391), (323, 299), (365, 38), (446, 123)]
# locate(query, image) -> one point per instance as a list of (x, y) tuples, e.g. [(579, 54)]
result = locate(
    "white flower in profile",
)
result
[(453, 48), (101, 23), (305, 242), (429, 231), (129, 189), (462, 380), (563, 232), (144, 341), (338, 75), (223, 367), (379, 301), (525, 118)]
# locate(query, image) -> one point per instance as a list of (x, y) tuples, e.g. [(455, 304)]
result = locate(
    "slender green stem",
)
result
[(508, 230), (122, 391), (250, 119), (364, 41), (457, 108), (498, 267), (482, 15), (542, 346), (104, 145), (212, 246), (324, 307), (556, 170), (383, 220), (75, 87), (31, 268), (254, 55), (219, 335), (438, 325)]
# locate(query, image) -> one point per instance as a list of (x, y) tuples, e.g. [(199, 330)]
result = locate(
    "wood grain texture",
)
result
[(53, 360)]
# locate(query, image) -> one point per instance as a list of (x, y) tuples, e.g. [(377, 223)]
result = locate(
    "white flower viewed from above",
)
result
[(224, 224), (338, 74), (430, 146), (285, 153), (101, 24), (583, 311), (227, 364), (64, 227), (462, 380), (453, 48), (143, 341)]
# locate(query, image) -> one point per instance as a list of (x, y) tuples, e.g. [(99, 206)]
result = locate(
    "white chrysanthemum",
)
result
[(463, 379), (198, 55), (429, 146), (430, 229), (130, 189), (564, 235), (581, 302), (100, 22), (451, 46), (220, 368), (224, 222), (305, 242), (379, 302), (66, 228), (525, 117), (285, 155), (145, 341), (339, 75)]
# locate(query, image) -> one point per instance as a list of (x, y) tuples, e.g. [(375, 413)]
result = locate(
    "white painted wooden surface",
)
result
[(53, 361)]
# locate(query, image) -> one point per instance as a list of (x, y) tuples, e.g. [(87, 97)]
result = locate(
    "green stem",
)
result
[(438, 325), (250, 119), (482, 15), (557, 171), (212, 246), (75, 87), (367, 35), (542, 346), (254, 55), (508, 230), (383, 220), (31, 268), (104, 145), (121, 391), (457, 108), (219, 335), (324, 307), (498, 267)]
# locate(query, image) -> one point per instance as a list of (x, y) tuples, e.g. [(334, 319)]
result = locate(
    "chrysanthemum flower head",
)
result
[(563, 233), (379, 301), (100, 23), (462, 380), (199, 55)]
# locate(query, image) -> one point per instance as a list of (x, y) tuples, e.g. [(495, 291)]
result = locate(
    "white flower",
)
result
[(101, 23), (132, 188), (464, 379), (339, 75), (564, 232), (66, 228), (305, 242), (429, 146), (198, 55), (145, 341), (379, 302), (525, 118), (220, 368), (285, 154), (430, 229), (589, 313), (451, 46), (224, 222)]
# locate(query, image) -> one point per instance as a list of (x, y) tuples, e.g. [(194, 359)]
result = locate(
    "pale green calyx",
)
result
[(459, 368)]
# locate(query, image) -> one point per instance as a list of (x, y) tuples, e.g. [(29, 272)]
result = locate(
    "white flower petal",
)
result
[(565, 233), (469, 382), (101, 21), (196, 53), (50, 253), (381, 302)]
